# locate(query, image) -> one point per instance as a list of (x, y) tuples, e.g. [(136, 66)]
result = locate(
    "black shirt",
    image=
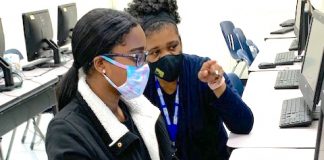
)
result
[(129, 123), (169, 100)]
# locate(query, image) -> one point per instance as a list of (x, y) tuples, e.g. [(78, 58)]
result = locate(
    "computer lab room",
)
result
[(161, 80)]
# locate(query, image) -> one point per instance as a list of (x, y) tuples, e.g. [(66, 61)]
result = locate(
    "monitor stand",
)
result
[(57, 56), (316, 112), (8, 77)]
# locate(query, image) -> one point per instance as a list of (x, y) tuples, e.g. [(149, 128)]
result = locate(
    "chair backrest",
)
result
[(237, 83), (230, 39), (248, 55)]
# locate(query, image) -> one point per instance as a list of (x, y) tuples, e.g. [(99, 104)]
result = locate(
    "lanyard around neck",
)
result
[(171, 126)]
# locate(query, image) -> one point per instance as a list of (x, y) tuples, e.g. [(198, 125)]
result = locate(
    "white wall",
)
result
[(199, 27), (200, 31), (11, 15)]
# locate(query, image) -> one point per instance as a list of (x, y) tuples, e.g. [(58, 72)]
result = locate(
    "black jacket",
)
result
[(76, 133)]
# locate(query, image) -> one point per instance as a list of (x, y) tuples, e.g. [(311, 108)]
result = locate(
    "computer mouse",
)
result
[(265, 65)]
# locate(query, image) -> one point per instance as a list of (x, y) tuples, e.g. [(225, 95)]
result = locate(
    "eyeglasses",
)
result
[(139, 57)]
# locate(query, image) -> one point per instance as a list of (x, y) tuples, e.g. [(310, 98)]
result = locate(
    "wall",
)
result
[(11, 15), (199, 27), (200, 31)]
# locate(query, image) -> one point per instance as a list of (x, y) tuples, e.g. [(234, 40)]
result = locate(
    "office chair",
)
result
[(236, 82), (231, 40), (248, 50)]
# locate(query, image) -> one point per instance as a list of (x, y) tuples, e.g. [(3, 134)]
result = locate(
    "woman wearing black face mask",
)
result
[(193, 93)]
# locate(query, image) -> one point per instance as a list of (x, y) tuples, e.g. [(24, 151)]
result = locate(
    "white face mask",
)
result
[(136, 81)]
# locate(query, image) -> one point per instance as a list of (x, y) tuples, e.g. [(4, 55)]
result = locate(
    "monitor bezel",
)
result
[(320, 126), (2, 40), (312, 98), (296, 27), (32, 53), (60, 20), (303, 28)]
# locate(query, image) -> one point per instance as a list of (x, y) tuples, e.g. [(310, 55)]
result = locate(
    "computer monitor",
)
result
[(299, 8), (319, 148), (305, 17), (66, 20), (38, 33), (313, 66), (2, 40)]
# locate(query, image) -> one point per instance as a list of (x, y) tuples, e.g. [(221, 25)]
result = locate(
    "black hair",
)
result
[(154, 14), (97, 32)]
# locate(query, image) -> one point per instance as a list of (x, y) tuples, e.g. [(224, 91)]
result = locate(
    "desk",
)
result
[(273, 37), (36, 95), (265, 103), (268, 54), (272, 154), (21, 104)]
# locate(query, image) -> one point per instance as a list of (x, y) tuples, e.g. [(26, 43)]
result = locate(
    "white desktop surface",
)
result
[(26, 87), (266, 103), (268, 54), (273, 37), (272, 154), (57, 71)]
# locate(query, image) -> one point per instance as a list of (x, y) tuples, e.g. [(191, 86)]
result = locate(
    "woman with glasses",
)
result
[(193, 93), (103, 114)]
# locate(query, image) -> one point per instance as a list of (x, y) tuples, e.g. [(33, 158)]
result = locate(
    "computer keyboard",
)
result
[(287, 23), (295, 113), (285, 58), (294, 45), (283, 30), (287, 79)]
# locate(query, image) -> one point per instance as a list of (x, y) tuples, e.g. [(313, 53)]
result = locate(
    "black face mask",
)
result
[(168, 67)]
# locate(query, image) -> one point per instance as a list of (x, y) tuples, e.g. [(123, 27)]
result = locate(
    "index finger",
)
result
[(207, 65)]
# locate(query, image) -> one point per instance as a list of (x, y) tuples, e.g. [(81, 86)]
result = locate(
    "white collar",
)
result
[(143, 112)]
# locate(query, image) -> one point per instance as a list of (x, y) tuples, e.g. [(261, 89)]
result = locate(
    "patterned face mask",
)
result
[(136, 81)]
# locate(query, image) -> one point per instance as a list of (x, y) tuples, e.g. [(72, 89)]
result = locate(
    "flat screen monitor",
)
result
[(319, 149), (303, 28), (2, 40), (299, 8), (66, 20), (312, 69), (38, 33)]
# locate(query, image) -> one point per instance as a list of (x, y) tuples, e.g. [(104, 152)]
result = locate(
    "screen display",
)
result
[(313, 54), (297, 15)]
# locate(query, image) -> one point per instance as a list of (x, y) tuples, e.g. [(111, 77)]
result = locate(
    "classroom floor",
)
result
[(22, 151)]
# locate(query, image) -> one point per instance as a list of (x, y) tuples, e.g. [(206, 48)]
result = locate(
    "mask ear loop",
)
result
[(108, 79)]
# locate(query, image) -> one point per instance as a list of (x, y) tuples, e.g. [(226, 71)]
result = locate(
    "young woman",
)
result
[(193, 93), (103, 114)]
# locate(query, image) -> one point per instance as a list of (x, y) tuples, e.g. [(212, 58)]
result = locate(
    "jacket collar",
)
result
[(143, 113)]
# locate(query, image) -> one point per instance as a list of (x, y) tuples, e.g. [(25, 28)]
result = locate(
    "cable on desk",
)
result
[(27, 77)]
